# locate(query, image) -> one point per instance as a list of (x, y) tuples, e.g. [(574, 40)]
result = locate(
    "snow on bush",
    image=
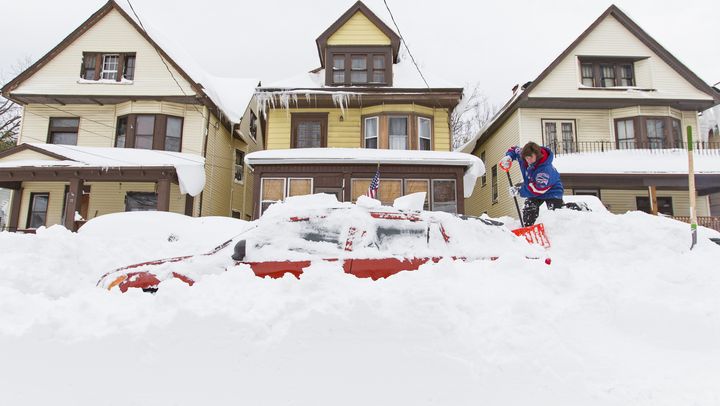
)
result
[(626, 314)]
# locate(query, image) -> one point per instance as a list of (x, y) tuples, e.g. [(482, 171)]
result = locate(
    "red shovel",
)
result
[(534, 234)]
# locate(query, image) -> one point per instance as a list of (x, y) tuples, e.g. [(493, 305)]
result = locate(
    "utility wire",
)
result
[(412, 58)]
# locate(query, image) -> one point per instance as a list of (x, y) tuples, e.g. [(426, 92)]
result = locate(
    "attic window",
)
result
[(359, 66), (607, 72), (108, 66)]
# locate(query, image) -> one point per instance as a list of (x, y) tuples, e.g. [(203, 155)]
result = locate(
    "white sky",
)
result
[(496, 44)]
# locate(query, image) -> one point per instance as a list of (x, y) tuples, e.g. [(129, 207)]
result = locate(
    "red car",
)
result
[(368, 243)]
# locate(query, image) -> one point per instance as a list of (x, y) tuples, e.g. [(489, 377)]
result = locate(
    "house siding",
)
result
[(358, 30), (611, 38), (622, 201), (113, 33), (218, 171), (56, 197)]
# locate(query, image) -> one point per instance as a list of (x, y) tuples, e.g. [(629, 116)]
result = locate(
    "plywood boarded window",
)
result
[(444, 195), (359, 187), (390, 189), (272, 190), (417, 186), (299, 186)]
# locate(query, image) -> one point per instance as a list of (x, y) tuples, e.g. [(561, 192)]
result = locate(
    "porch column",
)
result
[(72, 204), (652, 191), (163, 195), (14, 219), (189, 204)]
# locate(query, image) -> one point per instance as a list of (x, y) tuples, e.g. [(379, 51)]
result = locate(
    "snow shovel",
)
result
[(534, 234)]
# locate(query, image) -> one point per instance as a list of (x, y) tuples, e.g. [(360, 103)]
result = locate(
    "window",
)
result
[(587, 192), (144, 130), (129, 68), (417, 186), (339, 69), (147, 131), (494, 183), (359, 187), (359, 70), (299, 186), (390, 189), (271, 190), (173, 133), (359, 66), (625, 130), (253, 125), (108, 66), (37, 214), (483, 179), (371, 131), (604, 72), (444, 195), (677, 135), (566, 141), (239, 165), (398, 132), (424, 134), (121, 132), (63, 130), (140, 201), (655, 133), (587, 74), (665, 205), (309, 130)]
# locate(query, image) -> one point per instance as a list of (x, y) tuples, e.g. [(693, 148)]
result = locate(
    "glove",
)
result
[(514, 191), (505, 163)]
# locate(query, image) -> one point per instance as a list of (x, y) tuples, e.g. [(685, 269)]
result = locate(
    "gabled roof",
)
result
[(204, 91), (362, 8), (522, 96)]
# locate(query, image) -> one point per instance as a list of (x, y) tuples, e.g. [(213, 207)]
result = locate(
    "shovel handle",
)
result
[(517, 205)]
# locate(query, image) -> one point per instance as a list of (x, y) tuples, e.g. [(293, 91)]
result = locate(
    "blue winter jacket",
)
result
[(541, 179)]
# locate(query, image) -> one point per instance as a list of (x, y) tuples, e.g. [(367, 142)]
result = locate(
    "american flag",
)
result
[(374, 185)]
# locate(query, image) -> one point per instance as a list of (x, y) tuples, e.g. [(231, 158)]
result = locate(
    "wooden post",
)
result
[(691, 188), (653, 200), (72, 204), (189, 205), (163, 195), (14, 220)]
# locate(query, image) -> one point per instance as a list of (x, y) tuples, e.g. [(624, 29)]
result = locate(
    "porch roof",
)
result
[(94, 162), (639, 161)]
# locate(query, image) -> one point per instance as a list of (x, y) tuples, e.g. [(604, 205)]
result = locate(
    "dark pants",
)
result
[(532, 208)]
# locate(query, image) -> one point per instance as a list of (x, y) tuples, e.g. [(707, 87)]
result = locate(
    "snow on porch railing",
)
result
[(571, 147), (705, 221)]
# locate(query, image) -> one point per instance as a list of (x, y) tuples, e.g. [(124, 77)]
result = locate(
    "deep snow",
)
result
[(625, 315)]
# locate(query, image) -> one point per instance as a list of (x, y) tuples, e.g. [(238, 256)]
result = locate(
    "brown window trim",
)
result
[(158, 142), (413, 135), (368, 51), (640, 127), (598, 61), (297, 118), (99, 61), (30, 207), (52, 129)]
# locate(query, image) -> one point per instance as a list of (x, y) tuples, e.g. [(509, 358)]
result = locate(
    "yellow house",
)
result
[(365, 109), (109, 89), (614, 108)]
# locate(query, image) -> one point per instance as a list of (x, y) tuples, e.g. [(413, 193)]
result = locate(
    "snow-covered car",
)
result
[(366, 240)]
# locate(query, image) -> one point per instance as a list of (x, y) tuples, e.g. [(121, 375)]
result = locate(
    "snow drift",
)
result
[(625, 315)]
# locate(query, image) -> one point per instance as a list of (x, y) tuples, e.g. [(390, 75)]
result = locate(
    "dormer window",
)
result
[(607, 73), (359, 66), (110, 66)]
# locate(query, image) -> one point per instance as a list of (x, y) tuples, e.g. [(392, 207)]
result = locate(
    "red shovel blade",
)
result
[(534, 234)]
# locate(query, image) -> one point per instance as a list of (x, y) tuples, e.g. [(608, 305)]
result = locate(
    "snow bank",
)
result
[(625, 315)]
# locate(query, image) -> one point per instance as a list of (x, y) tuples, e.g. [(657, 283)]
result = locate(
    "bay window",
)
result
[(144, 129), (398, 132), (371, 132), (655, 133), (424, 131), (648, 132), (149, 131), (625, 130)]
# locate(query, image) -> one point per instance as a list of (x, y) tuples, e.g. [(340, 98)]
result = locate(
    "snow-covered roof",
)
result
[(667, 161), (405, 76), (190, 168), (474, 167)]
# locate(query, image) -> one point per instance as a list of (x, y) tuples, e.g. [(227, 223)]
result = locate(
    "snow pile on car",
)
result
[(626, 314)]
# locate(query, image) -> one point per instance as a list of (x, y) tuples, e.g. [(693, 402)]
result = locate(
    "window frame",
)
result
[(60, 129), (377, 131), (616, 63), (641, 139), (159, 131), (346, 53), (98, 59), (290, 179), (297, 118), (455, 183), (430, 138), (237, 166), (262, 189), (129, 193), (408, 135), (30, 213), (494, 185), (165, 132), (426, 204), (252, 125), (483, 178)]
